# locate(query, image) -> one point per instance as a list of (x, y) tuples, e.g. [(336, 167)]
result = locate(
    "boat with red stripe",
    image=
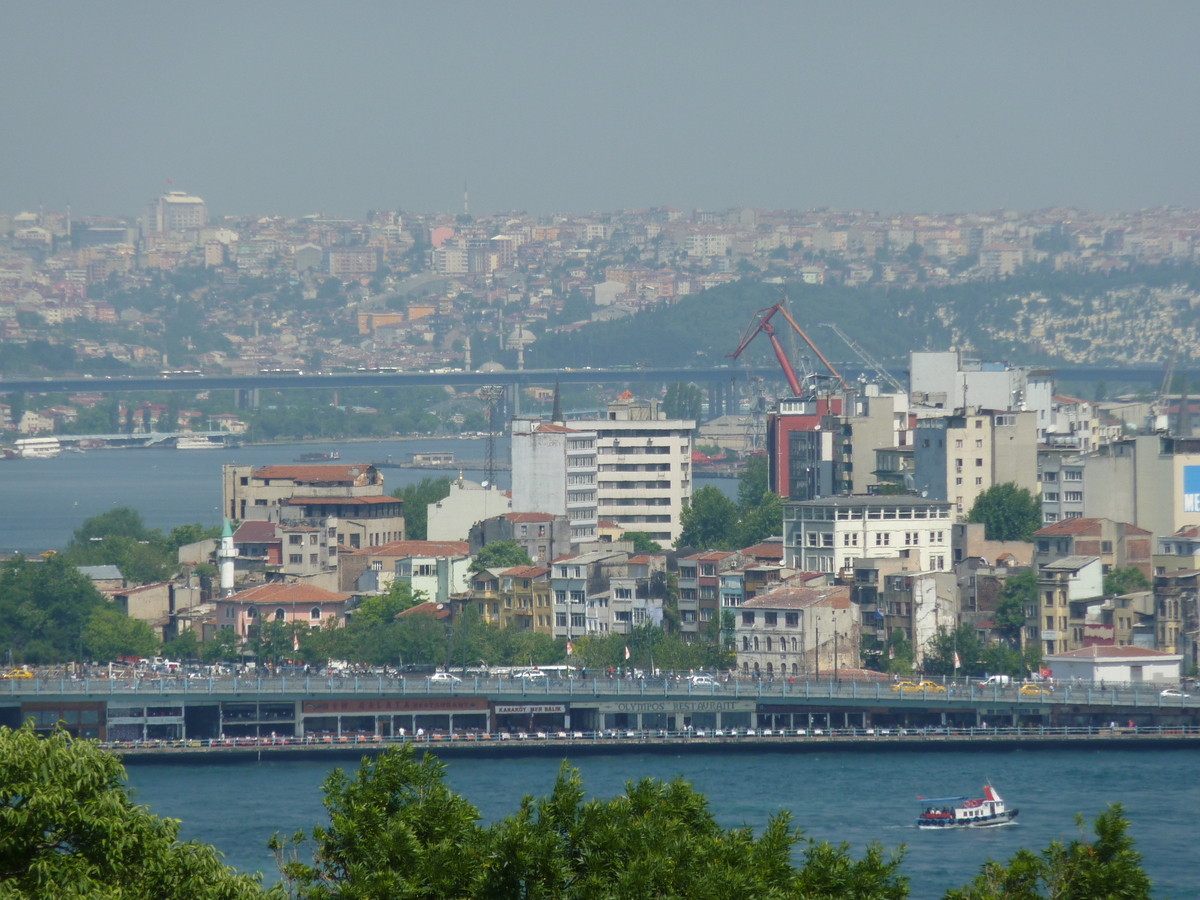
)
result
[(988, 811)]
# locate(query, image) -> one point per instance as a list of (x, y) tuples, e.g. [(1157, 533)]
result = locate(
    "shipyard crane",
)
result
[(868, 359), (762, 322)]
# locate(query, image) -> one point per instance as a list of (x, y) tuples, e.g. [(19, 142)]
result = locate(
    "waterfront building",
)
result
[(1065, 588), (794, 631), (700, 588), (311, 495), (1115, 665), (518, 597), (829, 535)]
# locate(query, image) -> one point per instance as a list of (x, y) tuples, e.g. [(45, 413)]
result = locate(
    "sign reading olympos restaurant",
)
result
[(397, 705), (678, 706), (507, 710)]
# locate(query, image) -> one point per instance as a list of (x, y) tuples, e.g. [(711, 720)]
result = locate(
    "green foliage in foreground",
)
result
[(68, 828)]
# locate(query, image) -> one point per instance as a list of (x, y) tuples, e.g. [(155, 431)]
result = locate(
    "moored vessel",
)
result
[(989, 811), (37, 448)]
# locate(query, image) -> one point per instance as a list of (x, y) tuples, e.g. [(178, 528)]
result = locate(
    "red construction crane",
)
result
[(763, 320)]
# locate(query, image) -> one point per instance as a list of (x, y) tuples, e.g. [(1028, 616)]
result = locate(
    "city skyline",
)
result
[(924, 108)]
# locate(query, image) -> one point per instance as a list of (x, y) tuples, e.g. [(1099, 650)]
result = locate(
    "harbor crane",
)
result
[(762, 322), (868, 359)]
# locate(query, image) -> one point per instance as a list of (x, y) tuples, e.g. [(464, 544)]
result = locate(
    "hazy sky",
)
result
[(296, 107)]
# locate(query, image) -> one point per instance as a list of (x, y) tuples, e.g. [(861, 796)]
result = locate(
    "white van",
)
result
[(1001, 680)]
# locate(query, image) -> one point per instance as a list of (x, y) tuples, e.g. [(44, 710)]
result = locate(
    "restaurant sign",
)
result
[(509, 710), (397, 705)]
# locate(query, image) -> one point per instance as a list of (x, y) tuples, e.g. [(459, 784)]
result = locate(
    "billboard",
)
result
[(1191, 489)]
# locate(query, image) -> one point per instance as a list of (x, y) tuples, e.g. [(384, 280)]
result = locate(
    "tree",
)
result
[(395, 830), (72, 829), (110, 634), (417, 498), (44, 608), (1008, 512), (761, 521), (183, 646), (710, 522), (383, 608), (754, 483), (947, 645), (225, 647), (500, 555), (1125, 581), (1019, 592), (1108, 867), (683, 401), (642, 542)]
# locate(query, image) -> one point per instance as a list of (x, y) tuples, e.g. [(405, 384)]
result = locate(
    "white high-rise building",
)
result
[(176, 211), (644, 467)]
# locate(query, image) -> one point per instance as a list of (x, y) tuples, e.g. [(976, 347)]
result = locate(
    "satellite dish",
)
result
[(483, 484)]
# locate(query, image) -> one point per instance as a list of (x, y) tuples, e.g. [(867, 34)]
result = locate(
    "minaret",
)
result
[(225, 557), (556, 414)]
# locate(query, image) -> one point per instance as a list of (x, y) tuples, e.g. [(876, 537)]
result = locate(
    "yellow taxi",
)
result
[(932, 686), (907, 687), (18, 673), (1033, 690)]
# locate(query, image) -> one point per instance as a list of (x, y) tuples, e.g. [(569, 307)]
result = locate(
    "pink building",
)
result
[(280, 601)]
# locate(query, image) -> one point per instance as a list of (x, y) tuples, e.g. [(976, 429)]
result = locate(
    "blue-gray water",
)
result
[(45, 500), (852, 797)]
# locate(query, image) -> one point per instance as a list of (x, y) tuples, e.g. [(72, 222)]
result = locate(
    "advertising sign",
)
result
[(1191, 489), (526, 709), (398, 705)]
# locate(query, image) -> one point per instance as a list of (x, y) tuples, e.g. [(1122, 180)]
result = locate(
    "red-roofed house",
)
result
[(437, 568), (795, 631), (280, 601)]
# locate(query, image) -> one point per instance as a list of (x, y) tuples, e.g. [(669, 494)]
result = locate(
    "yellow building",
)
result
[(519, 597)]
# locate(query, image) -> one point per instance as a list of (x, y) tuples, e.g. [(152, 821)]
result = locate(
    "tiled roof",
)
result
[(557, 429), (788, 596), (767, 550), (342, 501), (255, 533), (1069, 563), (428, 608), (418, 548), (1069, 526), (319, 474), (528, 517), (526, 571), (287, 592)]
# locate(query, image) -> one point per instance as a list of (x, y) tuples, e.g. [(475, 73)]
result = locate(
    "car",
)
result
[(530, 674), (19, 674), (931, 686), (1173, 692), (908, 687), (444, 678), (701, 681), (1034, 690)]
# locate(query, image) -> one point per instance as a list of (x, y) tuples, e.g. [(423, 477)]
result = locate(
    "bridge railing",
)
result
[(715, 736), (1145, 695)]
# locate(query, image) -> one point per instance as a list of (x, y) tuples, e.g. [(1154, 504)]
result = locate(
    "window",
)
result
[(978, 481), (747, 617), (251, 613), (229, 612), (1050, 476), (315, 614), (850, 539), (295, 540), (1051, 497), (813, 541), (958, 444), (280, 614), (979, 462), (577, 597), (1072, 475), (883, 539), (312, 559), (1073, 496), (770, 618), (312, 539), (827, 540), (1043, 546), (745, 643), (979, 423), (792, 619), (560, 619), (979, 445), (295, 559), (1106, 547)]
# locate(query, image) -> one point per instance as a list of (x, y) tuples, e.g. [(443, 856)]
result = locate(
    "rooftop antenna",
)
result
[(491, 394)]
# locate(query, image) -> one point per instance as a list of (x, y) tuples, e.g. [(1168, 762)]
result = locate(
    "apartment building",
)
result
[(700, 588), (829, 535), (1065, 588), (644, 462), (308, 495), (792, 631), (959, 456), (582, 586), (1118, 545), (438, 569), (518, 597), (554, 470), (542, 536), (917, 604)]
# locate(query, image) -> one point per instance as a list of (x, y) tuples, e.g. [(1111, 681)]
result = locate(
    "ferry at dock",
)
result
[(989, 811), (37, 448)]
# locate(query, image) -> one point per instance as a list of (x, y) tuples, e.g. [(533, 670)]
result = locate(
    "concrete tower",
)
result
[(225, 557)]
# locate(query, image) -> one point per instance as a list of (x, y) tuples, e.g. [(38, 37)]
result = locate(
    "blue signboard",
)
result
[(1191, 489)]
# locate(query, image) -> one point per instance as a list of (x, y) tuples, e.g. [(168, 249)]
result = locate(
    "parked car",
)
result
[(1173, 692)]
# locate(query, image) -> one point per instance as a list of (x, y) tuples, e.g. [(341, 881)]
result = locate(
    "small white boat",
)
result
[(962, 812)]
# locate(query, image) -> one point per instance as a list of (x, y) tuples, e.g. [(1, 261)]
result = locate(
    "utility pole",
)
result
[(491, 395)]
